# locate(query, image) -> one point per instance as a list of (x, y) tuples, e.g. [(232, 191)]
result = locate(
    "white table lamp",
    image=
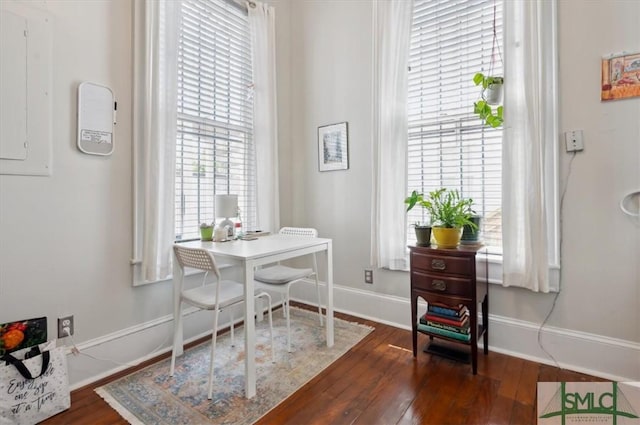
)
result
[(226, 207)]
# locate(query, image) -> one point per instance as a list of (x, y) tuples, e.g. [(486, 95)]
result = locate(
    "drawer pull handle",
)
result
[(438, 264), (439, 285)]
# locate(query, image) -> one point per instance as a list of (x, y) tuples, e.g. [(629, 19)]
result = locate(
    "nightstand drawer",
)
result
[(442, 285), (442, 264)]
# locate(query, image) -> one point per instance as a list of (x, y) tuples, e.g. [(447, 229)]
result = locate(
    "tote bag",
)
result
[(35, 388)]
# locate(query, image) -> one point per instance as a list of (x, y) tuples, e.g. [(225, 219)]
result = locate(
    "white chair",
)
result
[(209, 296), (279, 278)]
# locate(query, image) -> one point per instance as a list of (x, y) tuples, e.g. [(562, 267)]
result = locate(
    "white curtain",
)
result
[(529, 141), (265, 134), (392, 33), (157, 24)]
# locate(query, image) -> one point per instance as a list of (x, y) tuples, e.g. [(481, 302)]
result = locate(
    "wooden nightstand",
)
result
[(448, 276)]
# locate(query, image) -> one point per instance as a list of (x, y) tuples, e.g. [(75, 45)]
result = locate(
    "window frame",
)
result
[(493, 261), (227, 140), (140, 68)]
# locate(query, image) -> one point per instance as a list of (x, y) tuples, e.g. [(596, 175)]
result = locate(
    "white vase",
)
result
[(493, 94)]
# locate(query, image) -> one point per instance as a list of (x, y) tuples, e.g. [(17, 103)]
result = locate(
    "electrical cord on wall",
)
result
[(555, 298), (75, 351)]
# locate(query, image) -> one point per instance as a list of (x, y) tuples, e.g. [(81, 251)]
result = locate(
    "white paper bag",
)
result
[(42, 393)]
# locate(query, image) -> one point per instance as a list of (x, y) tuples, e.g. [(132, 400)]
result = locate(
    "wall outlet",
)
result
[(65, 326), (368, 276), (573, 140)]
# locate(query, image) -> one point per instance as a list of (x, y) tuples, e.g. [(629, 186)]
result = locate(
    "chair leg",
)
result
[(319, 306), (288, 300), (273, 351), (284, 300), (315, 272), (213, 351), (233, 341), (288, 326)]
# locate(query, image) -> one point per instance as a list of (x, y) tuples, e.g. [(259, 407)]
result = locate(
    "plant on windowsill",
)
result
[(488, 108), (471, 234), (206, 231), (423, 230), (449, 213), (198, 170)]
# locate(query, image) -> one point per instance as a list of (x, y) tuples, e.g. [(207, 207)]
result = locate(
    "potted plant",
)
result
[(491, 96), (198, 169), (471, 234), (206, 232), (449, 213), (423, 230)]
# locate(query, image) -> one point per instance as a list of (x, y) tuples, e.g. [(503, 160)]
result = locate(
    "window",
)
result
[(214, 149), (448, 146)]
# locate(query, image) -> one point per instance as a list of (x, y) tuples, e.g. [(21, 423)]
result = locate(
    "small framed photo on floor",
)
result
[(333, 147)]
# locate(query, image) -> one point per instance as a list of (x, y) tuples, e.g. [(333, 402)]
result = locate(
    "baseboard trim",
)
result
[(154, 333), (596, 355)]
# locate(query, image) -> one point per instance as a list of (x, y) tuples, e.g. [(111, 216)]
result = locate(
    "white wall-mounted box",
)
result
[(25, 83)]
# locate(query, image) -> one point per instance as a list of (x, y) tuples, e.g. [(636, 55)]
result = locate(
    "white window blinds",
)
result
[(448, 146), (214, 150)]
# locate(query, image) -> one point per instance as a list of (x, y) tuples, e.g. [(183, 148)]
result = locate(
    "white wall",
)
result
[(65, 240), (331, 82), (332, 72)]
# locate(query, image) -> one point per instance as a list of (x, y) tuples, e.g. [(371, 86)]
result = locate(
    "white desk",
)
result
[(265, 250)]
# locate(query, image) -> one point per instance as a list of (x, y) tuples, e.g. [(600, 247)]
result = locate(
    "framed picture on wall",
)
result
[(333, 147), (620, 76)]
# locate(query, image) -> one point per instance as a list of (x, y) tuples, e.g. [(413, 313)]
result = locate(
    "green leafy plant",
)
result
[(198, 169), (413, 200), (486, 81), (445, 207), (489, 116)]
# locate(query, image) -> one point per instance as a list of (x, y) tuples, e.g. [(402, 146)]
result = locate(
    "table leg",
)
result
[(414, 323), (178, 276), (249, 332), (485, 323), (329, 295)]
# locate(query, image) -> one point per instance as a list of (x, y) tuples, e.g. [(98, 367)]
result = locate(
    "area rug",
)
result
[(151, 396)]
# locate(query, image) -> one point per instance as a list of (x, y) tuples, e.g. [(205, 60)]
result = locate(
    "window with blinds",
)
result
[(214, 150), (451, 40)]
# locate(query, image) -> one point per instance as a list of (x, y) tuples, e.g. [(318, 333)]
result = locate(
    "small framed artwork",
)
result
[(333, 147), (620, 76)]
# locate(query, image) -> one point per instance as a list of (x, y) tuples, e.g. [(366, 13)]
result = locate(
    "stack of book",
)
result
[(445, 320)]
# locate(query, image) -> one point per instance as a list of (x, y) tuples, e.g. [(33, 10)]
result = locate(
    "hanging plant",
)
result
[(491, 96), (488, 108)]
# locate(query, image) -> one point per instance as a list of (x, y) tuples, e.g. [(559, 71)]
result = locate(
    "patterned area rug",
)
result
[(151, 396)]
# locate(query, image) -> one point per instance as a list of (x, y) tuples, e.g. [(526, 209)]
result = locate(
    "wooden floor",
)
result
[(380, 382)]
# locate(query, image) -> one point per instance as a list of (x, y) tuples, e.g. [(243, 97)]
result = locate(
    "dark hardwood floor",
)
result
[(379, 382)]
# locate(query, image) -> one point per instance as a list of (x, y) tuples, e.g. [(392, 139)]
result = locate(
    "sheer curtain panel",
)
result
[(529, 177), (392, 30), (263, 42), (156, 35)]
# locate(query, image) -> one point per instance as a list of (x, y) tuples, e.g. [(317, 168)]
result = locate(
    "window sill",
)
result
[(138, 281)]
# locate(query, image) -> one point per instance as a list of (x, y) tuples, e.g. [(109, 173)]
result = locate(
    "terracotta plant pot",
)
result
[(447, 237)]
